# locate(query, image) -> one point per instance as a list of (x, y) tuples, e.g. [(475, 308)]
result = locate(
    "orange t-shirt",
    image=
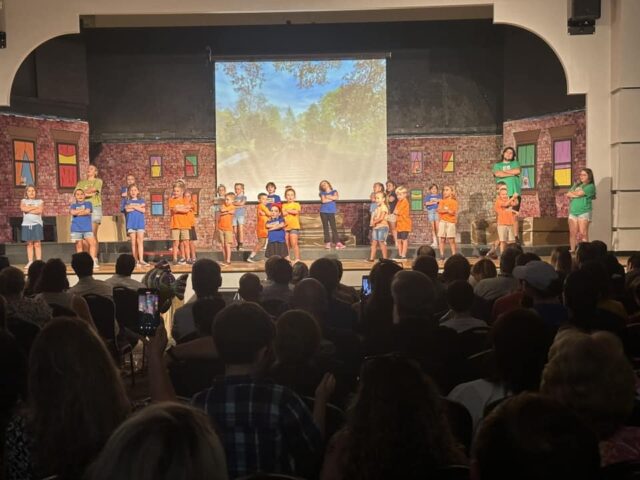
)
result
[(447, 209), (505, 214), (192, 214), (225, 218), (261, 224), (179, 220), (403, 218)]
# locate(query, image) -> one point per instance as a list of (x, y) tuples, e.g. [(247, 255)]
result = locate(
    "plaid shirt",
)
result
[(264, 427)]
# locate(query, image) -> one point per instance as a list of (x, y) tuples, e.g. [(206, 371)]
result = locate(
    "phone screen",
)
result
[(148, 312), (366, 286)]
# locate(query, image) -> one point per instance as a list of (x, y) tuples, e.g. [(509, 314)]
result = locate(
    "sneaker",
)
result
[(371, 260), (96, 265), (327, 246), (175, 263), (190, 262), (26, 267), (434, 245), (340, 246), (144, 264), (251, 259), (182, 261)]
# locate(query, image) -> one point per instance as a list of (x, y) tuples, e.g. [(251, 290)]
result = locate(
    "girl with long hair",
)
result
[(580, 195)]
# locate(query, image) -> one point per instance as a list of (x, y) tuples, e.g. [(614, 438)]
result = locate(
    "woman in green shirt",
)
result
[(580, 207), (92, 187)]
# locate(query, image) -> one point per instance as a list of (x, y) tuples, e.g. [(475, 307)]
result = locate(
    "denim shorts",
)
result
[(583, 216), (380, 234), (135, 230), (76, 236), (432, 215), (293, 231), (96, 214), (237, 220)]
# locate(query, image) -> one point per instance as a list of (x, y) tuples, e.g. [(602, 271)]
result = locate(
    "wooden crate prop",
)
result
[(541, 231)]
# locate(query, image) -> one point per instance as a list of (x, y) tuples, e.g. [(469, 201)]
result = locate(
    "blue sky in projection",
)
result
[(280, 88)]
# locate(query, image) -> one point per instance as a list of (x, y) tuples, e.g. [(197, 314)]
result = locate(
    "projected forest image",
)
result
[(296, 122)]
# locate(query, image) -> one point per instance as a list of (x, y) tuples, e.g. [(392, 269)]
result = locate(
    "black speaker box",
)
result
[(580, 10)]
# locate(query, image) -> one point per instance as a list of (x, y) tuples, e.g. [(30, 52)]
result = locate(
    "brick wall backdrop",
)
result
[(545, 200), (56, 202)]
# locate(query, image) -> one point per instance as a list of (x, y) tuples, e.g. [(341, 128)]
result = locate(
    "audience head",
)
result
[(456, 267), (162, 441), (33, 275), (269, 264), (396, 424), (297, 337), (600, 248), (82, 264), (4, 262), (527, 257), (520, 344), (413, 294), (633, 263), (580, 296), (250, 287), (508, 259), (281, 271), (204, 311), (484, 268), (615, 273), (338, 263), (561, 260), (427, 265), (326, 272), (591, 375), (76, 396), (425, 250), (125, 264), (53, 278), (300, 272), (242, 333), (3, 314), (540, 279), (585, 252), (598, 273), (309, 295), (533, 437), (460, 296), (11, 282), (206, 277), (13, 369), (381, 275)]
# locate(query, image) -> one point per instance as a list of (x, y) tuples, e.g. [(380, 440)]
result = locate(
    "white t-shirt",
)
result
[(476, 395), (31, 219)]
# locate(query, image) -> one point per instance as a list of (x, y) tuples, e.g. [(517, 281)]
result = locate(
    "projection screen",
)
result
[(297, 122)]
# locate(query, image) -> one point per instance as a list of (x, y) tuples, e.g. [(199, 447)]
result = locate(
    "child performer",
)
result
[(275, 234), (225, 226), (492, 253), (263, 214), (32, 232), (291, 212), (190, 253), (379, 226), (81, 228), (179, 222), (431, 202), (134, 209), (272, 196), (447, 210), (392, 201), (124, 192), (238, 216), (328, 197), (506, 218), (403, 222)]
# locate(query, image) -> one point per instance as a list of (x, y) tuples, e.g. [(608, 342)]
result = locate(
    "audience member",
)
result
[(309, 295), (206, 278), (278, 285), (250, 288), (125, 264), (457, 267), (633, 268), (53, 286), (33, 275), (533, 437), (4, 262), (602, 281), (483, 268), (429, 266), (520, 344), (425, 250), (494, 288), (585, 252), (13, 378), (562, 262), (600, 248), (166, 441), (396, 427), (82, 265), (590, 374), (460, 300), (76, 400), (34, 310), (340, 314), (511, 301), (300, 272), (344, 292)]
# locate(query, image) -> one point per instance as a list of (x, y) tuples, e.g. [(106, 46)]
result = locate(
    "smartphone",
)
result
[(148, 311), (365, 289)]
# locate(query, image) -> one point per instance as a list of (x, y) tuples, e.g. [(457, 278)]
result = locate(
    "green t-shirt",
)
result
[(96, 198), (513, 183), (580, 205)]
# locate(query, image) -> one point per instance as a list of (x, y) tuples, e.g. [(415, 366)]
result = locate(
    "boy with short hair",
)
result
[(81, 228), (238, 216), (263, 213), (180, 224), (506, 218), (225, 226), (403, 222)]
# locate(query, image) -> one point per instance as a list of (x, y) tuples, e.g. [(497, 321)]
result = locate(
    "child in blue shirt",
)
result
[(124, 191), (239, 214), (81, 228), (431, 202), (272, 196), (134, 208), (276, 234)]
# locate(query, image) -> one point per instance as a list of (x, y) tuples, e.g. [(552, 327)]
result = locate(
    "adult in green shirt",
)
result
[(92, 187), (580, 195), (507, 171)]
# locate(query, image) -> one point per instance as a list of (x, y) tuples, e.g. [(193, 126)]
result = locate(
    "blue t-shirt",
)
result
[(273, 198), (123, 200), (81, 223), (135, 219), (430, 197), (240, 211), (276, 236), (329, 207)]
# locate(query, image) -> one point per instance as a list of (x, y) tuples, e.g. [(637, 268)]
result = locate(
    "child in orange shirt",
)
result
[(403, 222), (447, 210), (291, 213), (506, 218), (225, 226), (179, 222), (190, 253), (263, 214)]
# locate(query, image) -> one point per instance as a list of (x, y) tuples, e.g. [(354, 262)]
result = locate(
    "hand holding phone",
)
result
[(148, 311), (365, 289)]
